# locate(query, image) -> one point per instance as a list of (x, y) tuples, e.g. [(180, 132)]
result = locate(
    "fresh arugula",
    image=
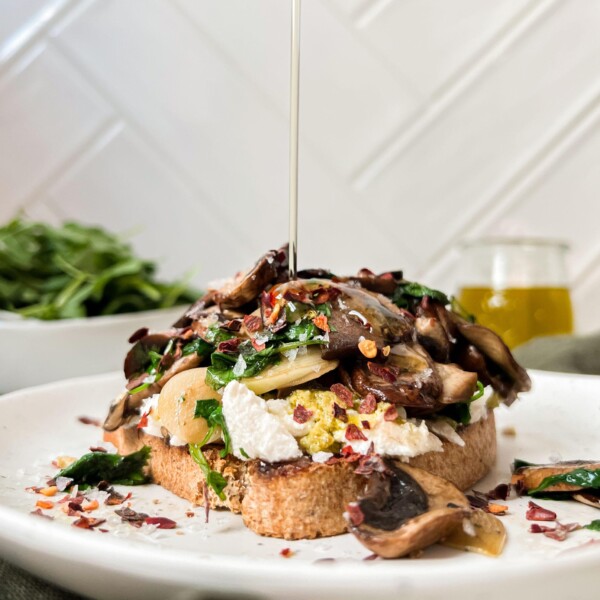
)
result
[(215, 334), (594, 525), (94, 467), (221, 371), (212, 411), (199, 347), (584, 478), (213, 479), (406, 293), (77, 271)]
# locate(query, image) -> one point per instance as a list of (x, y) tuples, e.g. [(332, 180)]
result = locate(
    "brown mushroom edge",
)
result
[(405, 510)]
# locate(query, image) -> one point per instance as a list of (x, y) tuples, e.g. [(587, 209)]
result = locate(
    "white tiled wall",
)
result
[(423, 122)]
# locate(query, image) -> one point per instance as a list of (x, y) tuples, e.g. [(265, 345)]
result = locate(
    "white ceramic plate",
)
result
[(34, 352), (560, 419)]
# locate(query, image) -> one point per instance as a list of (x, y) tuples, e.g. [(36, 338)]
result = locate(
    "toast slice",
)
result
[(301, 499)]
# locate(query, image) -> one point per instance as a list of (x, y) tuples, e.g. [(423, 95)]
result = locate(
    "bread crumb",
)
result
[(509, 431)]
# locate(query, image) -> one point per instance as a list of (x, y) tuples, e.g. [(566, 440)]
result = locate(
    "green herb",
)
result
[(216, 334), (220, 373), (77, 271), (199, 347), (94, 467), (213, 479), (479, 393), (324, 308), (406, 293), (584, 478), (243, 453), (212, 411), (594, 525)]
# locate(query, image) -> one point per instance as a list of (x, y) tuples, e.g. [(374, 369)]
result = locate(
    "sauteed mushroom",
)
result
[(530, 477), (405, 510)]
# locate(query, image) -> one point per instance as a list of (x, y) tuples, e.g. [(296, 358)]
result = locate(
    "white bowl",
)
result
[(34, 352)]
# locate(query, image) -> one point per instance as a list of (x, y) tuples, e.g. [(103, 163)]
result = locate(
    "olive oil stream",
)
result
[(294, 121)]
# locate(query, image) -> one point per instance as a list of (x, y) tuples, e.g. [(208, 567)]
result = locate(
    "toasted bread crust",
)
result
[(301, 500)]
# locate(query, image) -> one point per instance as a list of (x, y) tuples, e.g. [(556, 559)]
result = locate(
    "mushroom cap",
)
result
[(405, 509)]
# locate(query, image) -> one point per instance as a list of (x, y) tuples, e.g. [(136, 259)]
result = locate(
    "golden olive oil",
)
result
[(520, 314)]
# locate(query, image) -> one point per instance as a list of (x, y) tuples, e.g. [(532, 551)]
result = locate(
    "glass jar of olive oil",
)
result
[(517, 287)]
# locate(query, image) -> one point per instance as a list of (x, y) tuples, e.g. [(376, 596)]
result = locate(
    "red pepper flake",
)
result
[(391, 414), (340, 413), (46, 504), (190, 514), (535, 528), (355, 514), (301, 414), (366, 424), (143, 421), (287, 553), (354, 433), (38, 513), (98, 449), (371, 557), (558, 533), (346, 451), (325, 294), (232, 325), (161, 522), (537, 513), (258, 347), (90, 420), (384, 372), (368, 404), (321, 322), (252, 323), (87, 522), (500, 492), (343, 393), (33, 489), (229, 346), (129, 515)]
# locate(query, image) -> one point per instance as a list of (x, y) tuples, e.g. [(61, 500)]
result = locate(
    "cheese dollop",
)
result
[(254, 431)]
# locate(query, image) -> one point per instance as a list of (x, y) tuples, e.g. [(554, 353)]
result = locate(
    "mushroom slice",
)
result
[(491, 345), (457, 385), (408, 378), (291, 372), (481, 532), (248, 286), (405, 510), (566, 476), (589, 498)]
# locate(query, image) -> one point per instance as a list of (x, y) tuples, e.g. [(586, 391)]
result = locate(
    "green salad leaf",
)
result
[(74, 271), (94, 467)]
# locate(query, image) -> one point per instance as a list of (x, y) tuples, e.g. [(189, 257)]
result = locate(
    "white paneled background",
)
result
[(422, 122)]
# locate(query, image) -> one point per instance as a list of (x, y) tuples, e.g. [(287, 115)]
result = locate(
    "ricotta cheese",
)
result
[(389, 438), (260, 433)]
